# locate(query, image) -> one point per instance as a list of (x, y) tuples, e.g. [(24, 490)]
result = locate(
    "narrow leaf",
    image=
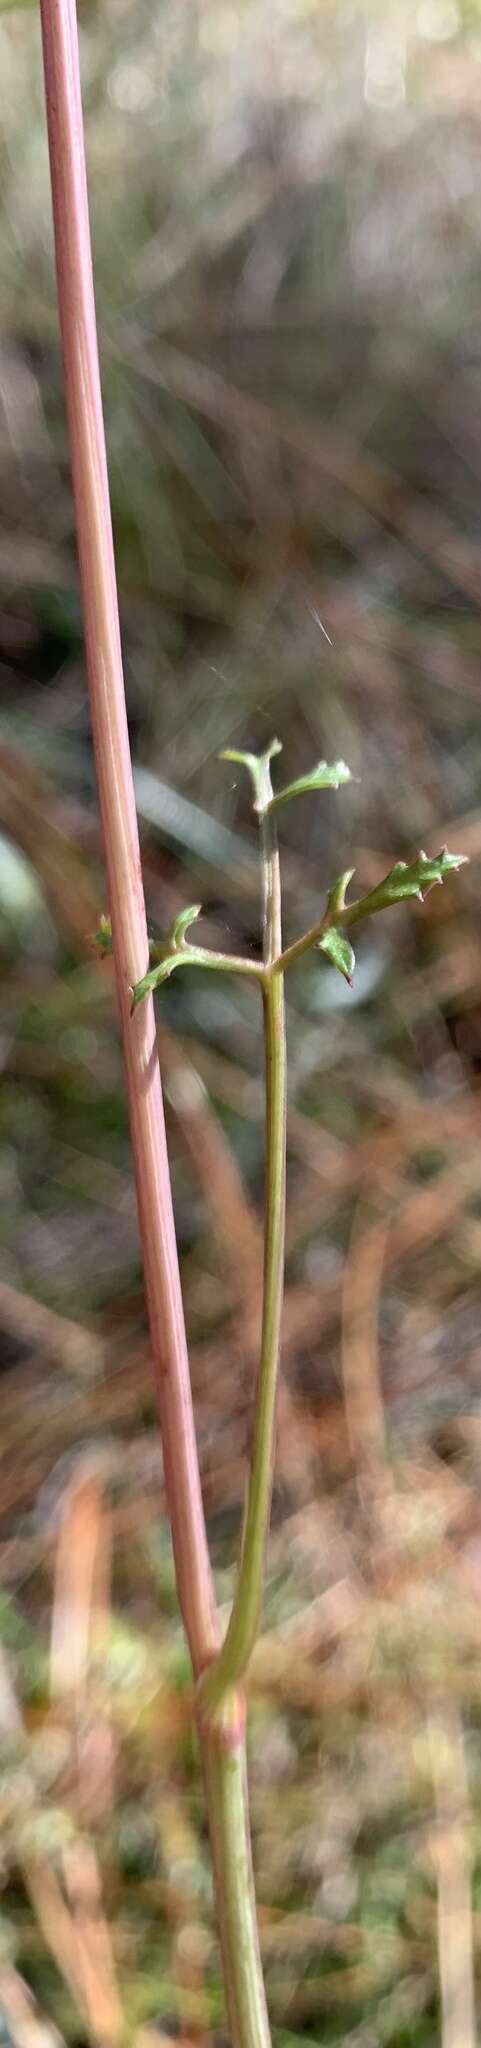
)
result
[(339, 952), (153, 979), (327, 775), (406, 880)]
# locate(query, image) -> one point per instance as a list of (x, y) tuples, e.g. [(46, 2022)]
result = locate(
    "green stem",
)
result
[(303, 945), (224, 963), (195, 956), (350, 913), (225, 1776), (220, 1703), (241, 1633)]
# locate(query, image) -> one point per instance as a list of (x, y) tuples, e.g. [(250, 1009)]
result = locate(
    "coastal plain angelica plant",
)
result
[(219, 1700), (218, 1665), (329, 936)]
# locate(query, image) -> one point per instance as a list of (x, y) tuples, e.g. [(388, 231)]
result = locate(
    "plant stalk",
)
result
[(225, 1777), (119, 823)]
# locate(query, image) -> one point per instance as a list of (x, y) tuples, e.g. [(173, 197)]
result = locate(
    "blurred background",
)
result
[(287, 242)]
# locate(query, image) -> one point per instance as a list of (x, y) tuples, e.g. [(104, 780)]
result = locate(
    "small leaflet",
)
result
[(327, 775), (339, 952)]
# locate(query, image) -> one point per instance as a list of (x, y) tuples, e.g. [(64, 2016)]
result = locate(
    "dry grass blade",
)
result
[(81, 1589), (94, 1957), (26, 812), (54, 1919), (26, 2026), (451, 1855), (191, 1941), (79, 1622), (11, 1724), (45, 1331), (39, 1877), (362, 475)]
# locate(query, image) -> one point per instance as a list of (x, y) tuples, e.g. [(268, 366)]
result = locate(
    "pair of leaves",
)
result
[(326, 775)]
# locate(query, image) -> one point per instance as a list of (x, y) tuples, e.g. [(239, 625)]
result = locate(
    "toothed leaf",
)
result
[(339, 952), (327, 775), (414, 879)]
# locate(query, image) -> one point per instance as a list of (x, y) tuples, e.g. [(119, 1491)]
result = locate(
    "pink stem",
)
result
[(114, 772)]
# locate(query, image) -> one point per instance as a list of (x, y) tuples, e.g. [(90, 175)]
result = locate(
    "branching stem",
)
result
[(196, 956)]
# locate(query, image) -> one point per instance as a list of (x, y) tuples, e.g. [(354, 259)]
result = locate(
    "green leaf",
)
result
[(406, 880), (339, 952), (327, 775), (154, 978)]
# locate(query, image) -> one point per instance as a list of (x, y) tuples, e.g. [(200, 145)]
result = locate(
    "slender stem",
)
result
[(244, 1621), (223, 963), (225, 1776), (300, 946), (272, 932), (130, 944), (196, 956)]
